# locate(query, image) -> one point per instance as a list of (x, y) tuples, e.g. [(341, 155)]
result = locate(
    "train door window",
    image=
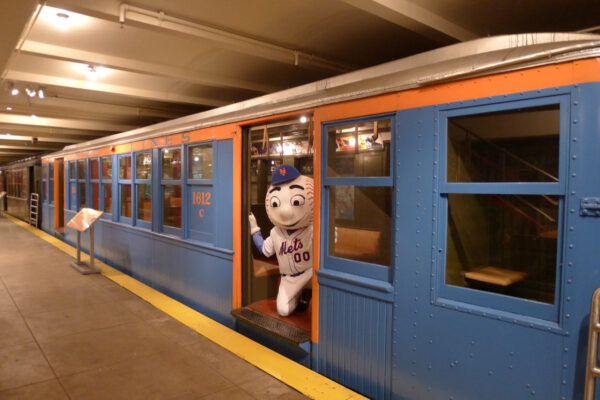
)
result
[(81, 183), (200, 188), (125, 182), (358, 188), (51, 183), (95, 183), (72, 186), (107, 166), (45, 183), (501, 196), (171, 168), (266, 147), (143, 188)]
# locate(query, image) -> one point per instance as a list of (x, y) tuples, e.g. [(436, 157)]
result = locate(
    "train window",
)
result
[(502, 197), (359, 149), (72, 186), (172, 205), (106, 166), (171, 189), (94, 164), (82, 195), (144, 202), (143, 165), (125, 201), (51, 183), (171, 164), (45, 183), (200, 161), (125, 167), (125, 182), (82, 170), (358, 189), (107, 198), (72, 170)]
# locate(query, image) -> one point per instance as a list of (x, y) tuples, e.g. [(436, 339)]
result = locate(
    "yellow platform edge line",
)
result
[(303, 379)]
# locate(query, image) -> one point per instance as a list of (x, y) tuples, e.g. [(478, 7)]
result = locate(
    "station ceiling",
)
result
[(90, 68)]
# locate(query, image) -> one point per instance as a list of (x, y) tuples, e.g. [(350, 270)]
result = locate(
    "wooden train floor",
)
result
[(70, 336)]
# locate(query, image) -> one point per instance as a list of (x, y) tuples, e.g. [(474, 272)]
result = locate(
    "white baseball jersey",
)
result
[(294, 251)]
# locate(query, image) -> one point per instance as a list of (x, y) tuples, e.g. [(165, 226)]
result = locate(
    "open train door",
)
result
[(59, 195)]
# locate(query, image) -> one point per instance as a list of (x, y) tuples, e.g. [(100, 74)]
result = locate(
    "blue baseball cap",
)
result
[(284, 173)]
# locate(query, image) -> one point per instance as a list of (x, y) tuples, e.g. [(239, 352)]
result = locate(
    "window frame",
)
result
[(134, 190), (344, 265), (172, 230), (120, 183), (496, 304), (103, 182)]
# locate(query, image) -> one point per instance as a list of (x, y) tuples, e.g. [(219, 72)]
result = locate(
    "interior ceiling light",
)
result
[(303, 119), (95, 71), (30, 92), (14, 91), (61, 19), (41, 93), (8, 108), (33, 116)]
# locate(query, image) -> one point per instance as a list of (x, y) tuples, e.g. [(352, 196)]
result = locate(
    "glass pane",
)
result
[(82, 167), (45, 190), (144, 202), (171, 164), (172, 205), (503, 243), (143, 166), (200, 161), (94, 168), (51, 190), (96, 196), (360, 149), (361, 218), (82, 195), (125, 201), (73, 170), (45, 171), (125, 167), (107, 168), (108, 198), (51, 171), (510, 146)]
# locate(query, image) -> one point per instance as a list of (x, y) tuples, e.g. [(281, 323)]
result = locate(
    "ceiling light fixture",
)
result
[(62, 21), (33, 116), (41, 93), (14, 91), (8, 108), (30, 92), (303, 119)]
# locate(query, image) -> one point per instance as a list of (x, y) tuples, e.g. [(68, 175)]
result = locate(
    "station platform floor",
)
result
[(64, 336)]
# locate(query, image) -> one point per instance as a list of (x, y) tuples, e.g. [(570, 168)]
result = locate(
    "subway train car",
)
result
[(19, 179), (456, 210)]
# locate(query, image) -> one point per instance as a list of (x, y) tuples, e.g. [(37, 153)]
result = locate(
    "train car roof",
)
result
[(459, 61)]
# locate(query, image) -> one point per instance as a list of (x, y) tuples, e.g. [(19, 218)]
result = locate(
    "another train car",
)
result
[(463, 187), (19, 180)]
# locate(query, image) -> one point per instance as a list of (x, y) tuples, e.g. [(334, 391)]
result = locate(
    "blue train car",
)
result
[(456, 210)]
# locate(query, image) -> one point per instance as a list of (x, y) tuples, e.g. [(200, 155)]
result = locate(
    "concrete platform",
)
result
[(64, 336)]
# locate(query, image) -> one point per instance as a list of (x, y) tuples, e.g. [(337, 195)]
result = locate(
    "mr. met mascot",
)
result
[(289, 205)]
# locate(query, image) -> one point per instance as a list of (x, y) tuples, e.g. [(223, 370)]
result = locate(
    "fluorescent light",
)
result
[(14, 91), (8, 108), (30, 92), (41, 93)]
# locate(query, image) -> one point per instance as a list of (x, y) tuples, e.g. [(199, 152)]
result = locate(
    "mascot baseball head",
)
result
[(289, 200)]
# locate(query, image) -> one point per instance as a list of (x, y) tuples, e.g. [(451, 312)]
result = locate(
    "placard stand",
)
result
[(81, 222), (2, 200)]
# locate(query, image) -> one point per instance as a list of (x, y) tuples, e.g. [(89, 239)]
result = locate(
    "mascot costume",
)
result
[(289, 205)]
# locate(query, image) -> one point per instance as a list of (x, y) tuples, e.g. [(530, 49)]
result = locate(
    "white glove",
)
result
[(253, 225)]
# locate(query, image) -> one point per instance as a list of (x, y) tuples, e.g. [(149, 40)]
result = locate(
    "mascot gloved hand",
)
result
[(289, 205)]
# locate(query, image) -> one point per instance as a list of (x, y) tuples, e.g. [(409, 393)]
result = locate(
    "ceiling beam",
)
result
[(17, 152), (14, 17), (413, 17), (23, 145), (126, 64), (64, 123), (46, 131), (143, 93)]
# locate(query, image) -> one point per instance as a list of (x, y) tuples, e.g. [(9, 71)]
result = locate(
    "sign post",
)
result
[(81, 222)]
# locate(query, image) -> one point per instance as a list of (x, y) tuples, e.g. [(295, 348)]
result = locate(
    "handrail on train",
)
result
[(592, 371)]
